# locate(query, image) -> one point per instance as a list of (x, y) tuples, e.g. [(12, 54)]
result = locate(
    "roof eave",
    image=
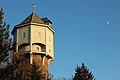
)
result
[(22, 25)]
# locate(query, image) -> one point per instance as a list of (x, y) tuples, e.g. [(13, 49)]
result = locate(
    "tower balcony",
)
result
[(33, 51), (36, 48)]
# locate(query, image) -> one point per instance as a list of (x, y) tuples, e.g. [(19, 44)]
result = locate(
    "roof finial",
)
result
[(33, 7)]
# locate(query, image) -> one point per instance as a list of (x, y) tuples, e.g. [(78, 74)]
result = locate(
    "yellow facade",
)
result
[(34, 38)]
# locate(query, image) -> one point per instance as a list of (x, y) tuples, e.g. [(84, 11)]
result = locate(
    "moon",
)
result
[(108, 22)]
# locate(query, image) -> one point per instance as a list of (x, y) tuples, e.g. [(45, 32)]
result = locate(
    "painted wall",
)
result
[(20, 34), (38, 34), (42, 34), (24, 48), (49, 42), (35, 34)]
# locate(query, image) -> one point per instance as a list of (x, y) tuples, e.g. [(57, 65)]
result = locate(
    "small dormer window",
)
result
[(48, 23), (23, 35)]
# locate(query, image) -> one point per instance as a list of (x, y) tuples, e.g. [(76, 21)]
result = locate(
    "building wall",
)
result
[(42, 34), (20, 34), (36, 39), (49, 42), (15, 36), (36, 48), (37, 34), (23, 48)]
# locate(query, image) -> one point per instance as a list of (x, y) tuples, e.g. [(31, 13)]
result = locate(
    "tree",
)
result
[(36, 72), (50, 76), (23, 70), (26, 71), (82, 73), (5, 42)]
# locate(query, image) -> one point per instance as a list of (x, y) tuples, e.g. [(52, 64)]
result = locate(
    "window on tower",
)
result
[(37, 48), (39, 34), (23, 35)]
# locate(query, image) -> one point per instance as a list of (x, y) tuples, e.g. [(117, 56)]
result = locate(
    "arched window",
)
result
[(37, 48)]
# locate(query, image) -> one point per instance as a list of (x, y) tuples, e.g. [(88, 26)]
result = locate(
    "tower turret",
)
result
[(34, 37)]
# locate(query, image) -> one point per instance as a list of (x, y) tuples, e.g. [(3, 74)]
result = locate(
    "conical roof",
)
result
[(32, 18)]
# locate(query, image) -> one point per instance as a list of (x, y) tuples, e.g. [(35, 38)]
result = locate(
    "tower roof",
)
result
[(46, 20), (32, 18)]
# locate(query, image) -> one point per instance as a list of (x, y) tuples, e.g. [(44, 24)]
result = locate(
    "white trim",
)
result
[(43, 60)]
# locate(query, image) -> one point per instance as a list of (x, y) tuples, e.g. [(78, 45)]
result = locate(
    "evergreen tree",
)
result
[(22, 67), (82, 73), (36, 72), (4, 40), (26, 71), (50, 77)]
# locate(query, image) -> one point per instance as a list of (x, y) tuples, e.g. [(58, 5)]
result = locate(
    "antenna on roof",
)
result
[(33, 7)]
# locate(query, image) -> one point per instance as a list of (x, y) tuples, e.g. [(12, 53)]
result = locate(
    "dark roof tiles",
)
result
[(32, 18), (46, 20)]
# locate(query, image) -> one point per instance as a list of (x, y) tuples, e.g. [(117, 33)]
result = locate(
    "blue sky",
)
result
[(82, 33)]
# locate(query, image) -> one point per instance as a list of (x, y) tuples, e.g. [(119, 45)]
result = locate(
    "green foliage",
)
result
[(5, 42), (82, 73), (4, 39)]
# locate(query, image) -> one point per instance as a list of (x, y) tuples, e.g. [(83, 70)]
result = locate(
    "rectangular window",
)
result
[(39, 34), (23, 35)]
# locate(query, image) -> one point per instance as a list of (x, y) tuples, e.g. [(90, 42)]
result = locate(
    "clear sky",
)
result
[(86, 31)]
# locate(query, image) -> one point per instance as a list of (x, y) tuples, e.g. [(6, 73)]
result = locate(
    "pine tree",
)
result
[(4, 40), (22, 67), (26, 71), (82, 73), (36, 72)]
